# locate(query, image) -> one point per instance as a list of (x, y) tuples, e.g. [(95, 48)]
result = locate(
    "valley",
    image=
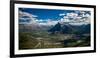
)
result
[(42, 39)]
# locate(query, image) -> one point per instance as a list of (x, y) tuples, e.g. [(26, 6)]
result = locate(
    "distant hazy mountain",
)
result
[(33, 27)]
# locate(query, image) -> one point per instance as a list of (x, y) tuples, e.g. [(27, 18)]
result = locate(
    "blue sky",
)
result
[(53, 14), (46, 13)]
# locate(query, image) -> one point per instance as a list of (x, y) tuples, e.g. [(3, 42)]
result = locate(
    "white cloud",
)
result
[(52, 22), (65, 17), (49, 22), (79, 23), (72, 15), (64, 20), (29, 16), (62, 14), (87, 15), (75, 19)]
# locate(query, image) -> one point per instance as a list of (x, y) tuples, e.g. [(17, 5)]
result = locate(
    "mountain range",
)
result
[(72, 29), (57, 28)]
